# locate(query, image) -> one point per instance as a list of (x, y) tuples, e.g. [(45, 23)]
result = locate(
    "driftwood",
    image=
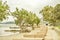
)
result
[(12, 31)]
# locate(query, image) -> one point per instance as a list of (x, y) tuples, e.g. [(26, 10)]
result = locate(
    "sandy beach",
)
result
[(17, 37)]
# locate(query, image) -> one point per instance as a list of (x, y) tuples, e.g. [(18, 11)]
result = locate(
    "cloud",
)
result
[(31, 5)]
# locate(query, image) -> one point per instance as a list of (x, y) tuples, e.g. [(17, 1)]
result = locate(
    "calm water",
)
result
[(6, 27)]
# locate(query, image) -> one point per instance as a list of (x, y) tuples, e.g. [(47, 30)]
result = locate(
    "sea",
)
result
[(4, 27)]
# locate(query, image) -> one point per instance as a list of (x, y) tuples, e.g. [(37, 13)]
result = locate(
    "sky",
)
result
[(31, 5)]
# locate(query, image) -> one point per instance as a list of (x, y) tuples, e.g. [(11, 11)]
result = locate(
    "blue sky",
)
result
[(30, 5)]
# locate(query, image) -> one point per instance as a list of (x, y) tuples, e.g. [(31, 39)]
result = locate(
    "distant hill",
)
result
[(8, 23)]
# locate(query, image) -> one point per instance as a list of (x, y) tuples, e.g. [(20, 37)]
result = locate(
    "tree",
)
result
[(32, 19), (56, 12), (25, 17), (51, 14), (3, 10), (48, 15)]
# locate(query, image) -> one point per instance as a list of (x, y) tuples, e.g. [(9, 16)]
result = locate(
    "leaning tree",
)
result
[(24, 17)]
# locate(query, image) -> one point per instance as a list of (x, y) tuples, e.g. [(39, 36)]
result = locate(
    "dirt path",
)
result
[(58, 32), (51, 34)]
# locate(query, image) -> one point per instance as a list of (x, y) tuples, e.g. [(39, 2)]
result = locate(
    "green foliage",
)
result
[(57, 11), (51, 14), (25, 17), (58, 27), (3, 10), (32, 19), (48, 15)]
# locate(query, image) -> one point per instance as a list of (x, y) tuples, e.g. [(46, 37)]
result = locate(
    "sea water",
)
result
[(4, 27)]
